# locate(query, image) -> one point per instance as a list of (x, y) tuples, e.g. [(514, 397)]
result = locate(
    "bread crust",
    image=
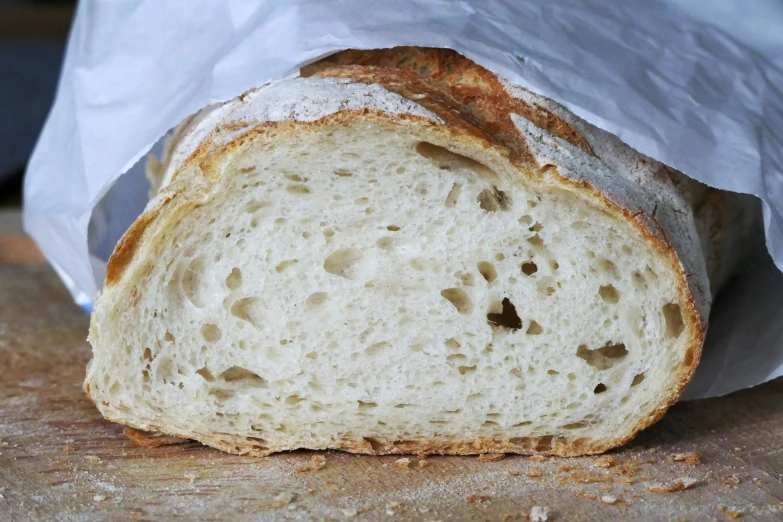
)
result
[(474, 110)]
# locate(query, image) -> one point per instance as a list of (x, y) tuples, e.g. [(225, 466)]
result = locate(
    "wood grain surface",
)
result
[(59, 460)]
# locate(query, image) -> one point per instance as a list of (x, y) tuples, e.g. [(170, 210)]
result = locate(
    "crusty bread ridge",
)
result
[(459, 108)]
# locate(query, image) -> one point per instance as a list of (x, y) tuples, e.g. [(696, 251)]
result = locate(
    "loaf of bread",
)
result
[(400, 252)]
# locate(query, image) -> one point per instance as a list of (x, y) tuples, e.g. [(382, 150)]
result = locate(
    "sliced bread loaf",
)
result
[(402, 253)]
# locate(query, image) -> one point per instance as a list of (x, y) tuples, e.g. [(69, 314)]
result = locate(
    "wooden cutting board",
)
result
[(59, 460)]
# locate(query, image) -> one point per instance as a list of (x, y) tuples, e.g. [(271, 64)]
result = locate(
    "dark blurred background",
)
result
[(32, 42)]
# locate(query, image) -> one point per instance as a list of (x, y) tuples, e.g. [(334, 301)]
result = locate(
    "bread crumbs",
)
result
[(349, 513), (491, 457), (733, 514), (403, 463), (673, 487), (534, 472), (609, 499), (607, 461), (691, 459), (536, 458), (423, 463), (506, 516), (317, 463), (477, 498), (538, 514)]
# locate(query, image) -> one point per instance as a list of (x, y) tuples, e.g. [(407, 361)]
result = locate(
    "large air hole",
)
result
[(211, 333), (534, 329), (243, 377), (602, 358), (343, 262), (487, 271), (234, 279), (637, 379), (206, 374), (529, 268), (493, 200), (459, 298), (375, 349), (600, 388), (609, 294), (298, 189), (317, 298), (448, 160), (674, 323), (453, 195), (283, 265), (249, 309), (506, 317)]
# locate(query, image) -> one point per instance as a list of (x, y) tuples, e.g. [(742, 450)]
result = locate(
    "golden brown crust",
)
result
[(126, 248), (151, 439)]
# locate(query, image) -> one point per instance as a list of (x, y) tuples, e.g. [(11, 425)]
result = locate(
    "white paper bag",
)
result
[(696, 85)]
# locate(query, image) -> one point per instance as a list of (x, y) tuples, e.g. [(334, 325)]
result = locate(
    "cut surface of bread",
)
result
[(388, 275)]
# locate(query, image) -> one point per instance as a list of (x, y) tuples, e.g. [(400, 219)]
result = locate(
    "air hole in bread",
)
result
[(600, 388), (534, 329), (448, 160), (452, 343), (525, 220), (366, 405), (544, 443), (191, 279), (573, 426), (529, 268), (552, 372), (688, 360), (602, 358), (285, 264), (245, 170), (506, 317), (608, 267), (376, 348), (298, 189), (637, 379), (546, 286), (168, 337), (211, 333), (385, 243), (393, 228), (243, 376), (375, 444), (343, 173), (609, 294), (248, 309), (317, 298), (255, 206), (253, 224), (453, 195), (535, 240), (456, 357), (672, 314), (487, 271), (467, 279), (361, 201), (328, 234), (293, 400), (493, 200), (500, 256), (536, 227), (466, 369), (206, 374), (293, 177), (147, 354), (343, 262), (459, 298)]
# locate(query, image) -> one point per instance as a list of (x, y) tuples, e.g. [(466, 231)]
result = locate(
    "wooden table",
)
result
[(59, 460)]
